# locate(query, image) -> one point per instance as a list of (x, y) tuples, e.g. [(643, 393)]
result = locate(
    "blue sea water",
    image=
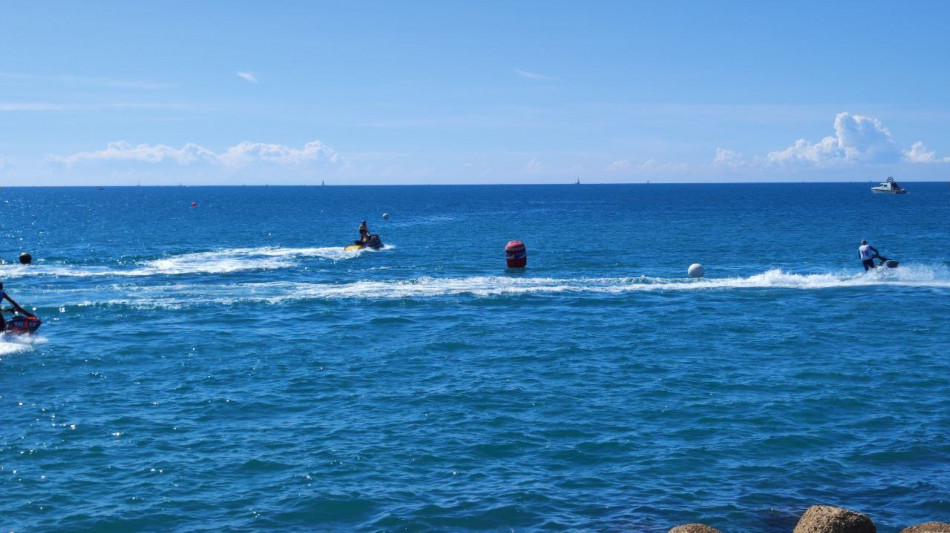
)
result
[(228, 367)]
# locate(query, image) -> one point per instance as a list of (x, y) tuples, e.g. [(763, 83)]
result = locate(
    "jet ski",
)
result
[(887, 263), (23, 325), (373, 243)]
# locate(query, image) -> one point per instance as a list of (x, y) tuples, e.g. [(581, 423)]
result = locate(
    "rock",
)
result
[(694, 528), (928, 527), (830, 519)]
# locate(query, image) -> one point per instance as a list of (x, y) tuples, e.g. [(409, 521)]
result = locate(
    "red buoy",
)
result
[(194, 204), (516, 255)]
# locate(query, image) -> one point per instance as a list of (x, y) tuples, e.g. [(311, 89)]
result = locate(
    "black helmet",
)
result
[(864, 242)]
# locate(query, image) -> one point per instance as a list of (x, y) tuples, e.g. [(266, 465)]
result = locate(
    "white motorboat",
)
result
[(891, 186)]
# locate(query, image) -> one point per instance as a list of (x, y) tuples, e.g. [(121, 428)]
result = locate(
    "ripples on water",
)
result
[(249, 375)]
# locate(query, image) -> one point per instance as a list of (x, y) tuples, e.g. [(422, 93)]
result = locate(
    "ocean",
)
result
[(212, 360)]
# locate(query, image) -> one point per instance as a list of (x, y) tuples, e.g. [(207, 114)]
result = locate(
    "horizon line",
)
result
[(546, 184)]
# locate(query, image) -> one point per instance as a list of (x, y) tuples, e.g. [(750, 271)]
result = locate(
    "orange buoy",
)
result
[(516, 255)]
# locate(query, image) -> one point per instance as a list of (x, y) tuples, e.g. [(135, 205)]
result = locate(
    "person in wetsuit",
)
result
[(364, 234), (867, 253), (16, 307)]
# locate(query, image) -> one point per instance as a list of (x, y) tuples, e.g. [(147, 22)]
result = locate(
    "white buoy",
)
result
[(385, 216), (696, 270)]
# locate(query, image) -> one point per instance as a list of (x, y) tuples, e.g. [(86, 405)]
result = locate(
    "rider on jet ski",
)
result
[(868, 254), (16, 307), (364, 234)]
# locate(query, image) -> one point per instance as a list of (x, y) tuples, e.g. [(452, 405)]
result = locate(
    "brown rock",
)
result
[(928, 527), (694, 528), (829, 519)]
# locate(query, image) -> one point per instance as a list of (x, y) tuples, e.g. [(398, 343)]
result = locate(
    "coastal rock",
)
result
[(830, 519), (694, 528), (928, 527)]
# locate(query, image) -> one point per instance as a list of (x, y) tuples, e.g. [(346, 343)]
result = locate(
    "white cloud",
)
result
[(820, 153), (919, 153), (247, 152), (533, 167), (728, 158), (240, 155), (531, 75), (123, 151), (857, 139), (249, 76), (619, 166)]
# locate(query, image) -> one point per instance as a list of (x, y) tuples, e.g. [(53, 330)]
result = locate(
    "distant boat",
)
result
[(578, 182), (889, 186)]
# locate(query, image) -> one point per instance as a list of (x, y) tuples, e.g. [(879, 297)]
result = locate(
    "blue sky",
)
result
[(109, 93)]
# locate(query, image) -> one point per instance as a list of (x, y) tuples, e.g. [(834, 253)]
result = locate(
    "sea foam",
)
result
[(176, 295)]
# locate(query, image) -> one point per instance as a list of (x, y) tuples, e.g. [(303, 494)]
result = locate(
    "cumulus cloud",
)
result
[(123, 151), (247, 152), (919, 153), (728, 158), (857, 139), (249, 76), (240, 155)]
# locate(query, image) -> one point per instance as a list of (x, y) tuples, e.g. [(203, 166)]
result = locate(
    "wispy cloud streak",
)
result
[(13, 107), (69, 79), (240, 155), (531, 75)]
